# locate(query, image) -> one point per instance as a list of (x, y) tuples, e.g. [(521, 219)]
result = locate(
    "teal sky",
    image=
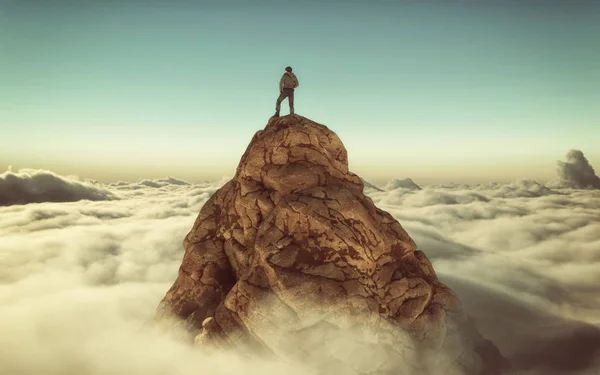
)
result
[(439, 91)]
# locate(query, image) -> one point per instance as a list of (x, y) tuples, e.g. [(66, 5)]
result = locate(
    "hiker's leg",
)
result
[(279, 100), (291, 100)]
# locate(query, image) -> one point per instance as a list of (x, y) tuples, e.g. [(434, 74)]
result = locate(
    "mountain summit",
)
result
[(291, 260)]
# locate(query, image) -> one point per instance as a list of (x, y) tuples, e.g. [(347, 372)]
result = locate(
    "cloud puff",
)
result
[(577, 172), (32, 186), (78, 280)]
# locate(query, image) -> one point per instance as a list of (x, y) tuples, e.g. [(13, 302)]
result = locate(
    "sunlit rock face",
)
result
[(290, 259)]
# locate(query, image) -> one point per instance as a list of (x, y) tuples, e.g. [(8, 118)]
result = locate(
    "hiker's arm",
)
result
[(281, 84), (297, 82)]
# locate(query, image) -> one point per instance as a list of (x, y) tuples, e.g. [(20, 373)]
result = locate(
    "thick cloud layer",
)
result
[(525, 265), (78, 280), (31, 186), (577, 172)]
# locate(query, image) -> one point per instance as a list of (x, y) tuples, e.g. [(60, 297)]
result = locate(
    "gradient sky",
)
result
[(439, 91)]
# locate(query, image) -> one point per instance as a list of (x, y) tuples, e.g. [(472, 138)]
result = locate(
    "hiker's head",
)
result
[(288, 69)]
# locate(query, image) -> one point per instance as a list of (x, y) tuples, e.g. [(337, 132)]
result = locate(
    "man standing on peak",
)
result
[(287, 84)]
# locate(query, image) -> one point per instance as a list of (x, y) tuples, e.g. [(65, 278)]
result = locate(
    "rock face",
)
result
[(290, 259)]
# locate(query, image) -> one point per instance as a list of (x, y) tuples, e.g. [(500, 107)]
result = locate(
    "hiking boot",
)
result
[(276, 114)]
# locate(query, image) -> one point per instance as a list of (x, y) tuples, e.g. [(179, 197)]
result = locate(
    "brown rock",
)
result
[(290, 256)]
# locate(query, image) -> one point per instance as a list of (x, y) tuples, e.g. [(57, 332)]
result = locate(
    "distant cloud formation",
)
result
[(34, 186), (577, 172), (79, 279), (404, 183), (518, 189), (369, 186), (162, 182)]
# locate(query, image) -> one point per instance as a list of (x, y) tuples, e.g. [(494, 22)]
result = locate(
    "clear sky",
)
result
[(438, 91)]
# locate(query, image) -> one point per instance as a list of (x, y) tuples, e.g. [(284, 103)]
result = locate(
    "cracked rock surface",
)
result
[(290, 259)]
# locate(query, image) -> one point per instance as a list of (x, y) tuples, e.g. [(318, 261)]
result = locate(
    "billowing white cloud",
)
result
[(31, 186), (577, 172), (78, 280)]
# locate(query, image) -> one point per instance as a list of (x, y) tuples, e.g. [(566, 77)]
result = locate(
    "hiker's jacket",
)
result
[(288, 81)]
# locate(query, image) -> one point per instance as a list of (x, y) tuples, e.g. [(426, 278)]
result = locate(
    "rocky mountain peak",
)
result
[(290, 259)]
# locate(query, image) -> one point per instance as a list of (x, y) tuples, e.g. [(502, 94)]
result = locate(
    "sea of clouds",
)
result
[(83, 266)]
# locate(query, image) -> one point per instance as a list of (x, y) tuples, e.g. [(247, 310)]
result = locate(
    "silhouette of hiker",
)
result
[(287, 84)]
